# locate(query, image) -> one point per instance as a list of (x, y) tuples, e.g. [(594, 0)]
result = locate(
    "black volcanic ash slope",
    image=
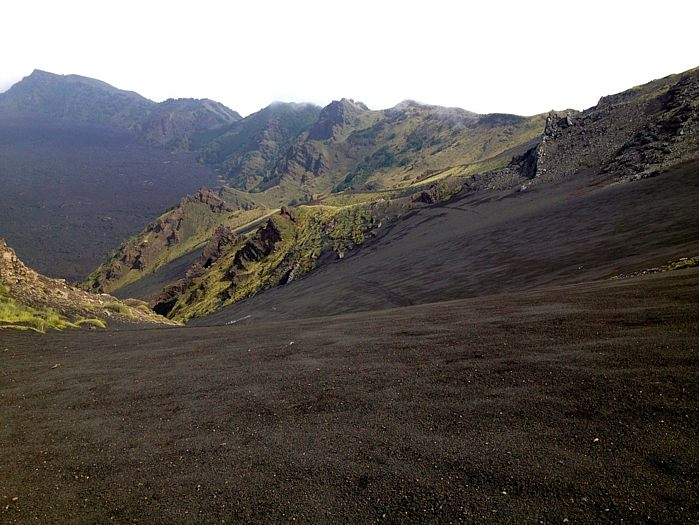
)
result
[(572, 404), (82, 167), (612, 189), (571, 207), (498, 242), (71, 191)]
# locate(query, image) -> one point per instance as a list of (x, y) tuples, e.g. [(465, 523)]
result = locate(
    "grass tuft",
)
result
[(118, 308)]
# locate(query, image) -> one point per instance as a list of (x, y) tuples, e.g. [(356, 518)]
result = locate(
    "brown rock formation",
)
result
[(260, 245)]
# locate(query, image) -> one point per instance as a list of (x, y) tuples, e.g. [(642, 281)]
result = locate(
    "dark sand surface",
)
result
[(492, 242), (575, 403), (71, 193), (150, 286)]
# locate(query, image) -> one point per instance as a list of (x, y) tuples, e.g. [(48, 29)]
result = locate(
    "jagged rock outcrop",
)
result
[(163, 233), (211, 198), (555, 123), (223, 239), (624, 137), (670, 134), (240, 254), (259, 246), (425, 197)]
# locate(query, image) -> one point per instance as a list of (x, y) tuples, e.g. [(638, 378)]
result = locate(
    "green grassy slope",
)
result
[(290, 154), (285, 247), (176, 232)]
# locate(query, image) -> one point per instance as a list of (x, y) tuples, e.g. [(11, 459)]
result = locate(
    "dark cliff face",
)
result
[(259, 246), (223, 239)]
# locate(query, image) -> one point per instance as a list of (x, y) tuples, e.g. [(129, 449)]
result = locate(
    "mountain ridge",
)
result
[(623, 139), (93, 101), (289, 154)]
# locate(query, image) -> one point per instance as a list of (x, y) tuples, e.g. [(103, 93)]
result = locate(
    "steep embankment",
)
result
[(629, 136), (287, 246), (30, 301), (490, 242)]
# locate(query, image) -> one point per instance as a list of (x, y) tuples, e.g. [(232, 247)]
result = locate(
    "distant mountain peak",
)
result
[(39, 73), (445, 110), (356, 103), (334, 117), (47, 78), (170, 123), (75, 97), (409, 103)]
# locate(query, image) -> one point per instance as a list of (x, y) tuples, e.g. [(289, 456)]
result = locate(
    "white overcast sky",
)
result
[(520, 57)]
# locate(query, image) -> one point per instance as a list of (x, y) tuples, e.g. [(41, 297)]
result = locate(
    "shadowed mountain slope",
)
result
[(82, 167), (77, 98), (83, 99), (71, 191)]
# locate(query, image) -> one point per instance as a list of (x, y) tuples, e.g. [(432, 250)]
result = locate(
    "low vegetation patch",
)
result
[(98, 323), (17, 316), (138, 305), (118, 308)]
